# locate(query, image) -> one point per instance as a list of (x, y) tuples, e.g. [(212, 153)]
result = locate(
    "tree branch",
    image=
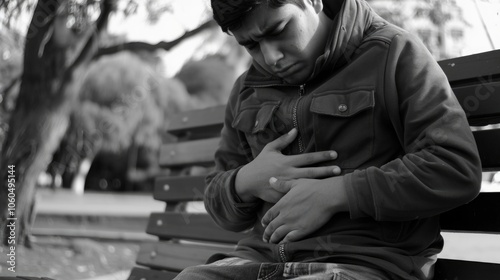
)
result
[(90, 49), (130, 46), (7, 90), (138, 46)]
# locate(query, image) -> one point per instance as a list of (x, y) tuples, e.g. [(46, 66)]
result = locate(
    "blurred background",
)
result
[(87, 89)]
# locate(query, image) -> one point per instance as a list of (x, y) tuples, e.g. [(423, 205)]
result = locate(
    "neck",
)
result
[(332, 7)]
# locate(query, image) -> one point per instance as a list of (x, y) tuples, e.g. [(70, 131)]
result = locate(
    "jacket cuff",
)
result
[(359, 195)]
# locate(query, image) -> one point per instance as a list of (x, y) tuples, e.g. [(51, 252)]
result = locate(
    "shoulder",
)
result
[(389, 34)]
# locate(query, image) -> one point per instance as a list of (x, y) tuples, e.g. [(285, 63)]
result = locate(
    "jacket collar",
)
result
[(346, 35)]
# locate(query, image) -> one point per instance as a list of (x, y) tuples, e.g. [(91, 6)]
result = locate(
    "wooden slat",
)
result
[(196, 124), (139, 273), (465, 270), (190, 226), (175, 257), (472, 66), (480, 102), (191, 152), (480, 215), (488, 143), (179, 189), (23, 278)]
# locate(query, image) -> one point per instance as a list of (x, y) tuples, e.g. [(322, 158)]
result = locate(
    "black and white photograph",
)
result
[(249, 139)]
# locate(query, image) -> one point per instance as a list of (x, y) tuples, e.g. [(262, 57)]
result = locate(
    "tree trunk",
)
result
[(78, 184), (35, 136), (53, 62)]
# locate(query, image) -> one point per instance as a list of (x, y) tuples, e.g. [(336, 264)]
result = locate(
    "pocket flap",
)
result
[(343, 103), (253, 119)]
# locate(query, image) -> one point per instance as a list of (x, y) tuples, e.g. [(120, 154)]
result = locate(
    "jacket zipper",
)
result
[(295, 117), (281, 250), (302, 91)]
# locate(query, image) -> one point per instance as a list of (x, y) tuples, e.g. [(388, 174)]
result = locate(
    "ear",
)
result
[(316, 4)]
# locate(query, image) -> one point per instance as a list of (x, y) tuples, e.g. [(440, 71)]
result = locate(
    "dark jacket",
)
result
[(405, 148)]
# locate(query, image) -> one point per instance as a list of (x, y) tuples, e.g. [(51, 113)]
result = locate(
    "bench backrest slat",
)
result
[(189, 226), (480, 102), (467, 69), (179, 188), (488, 143), (195, 124), (199, 152), (480, 215)]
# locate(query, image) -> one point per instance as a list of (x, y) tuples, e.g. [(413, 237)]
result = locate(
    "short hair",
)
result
[(229, 13)]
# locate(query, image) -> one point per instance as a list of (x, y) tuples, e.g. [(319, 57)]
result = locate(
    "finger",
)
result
[(270, 215), (318, 172), (293, 235), (312, 158), (282, 142), (281, 186), (279, 234), (269, 230)]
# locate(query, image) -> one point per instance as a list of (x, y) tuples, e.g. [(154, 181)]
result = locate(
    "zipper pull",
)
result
[(302, 89)]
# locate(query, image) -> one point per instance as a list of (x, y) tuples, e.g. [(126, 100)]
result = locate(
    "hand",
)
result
[(252, 179), (308, 205)]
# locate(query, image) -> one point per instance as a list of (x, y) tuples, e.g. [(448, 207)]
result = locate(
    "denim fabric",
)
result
[(225, 269), (317, 271), (241, 269)]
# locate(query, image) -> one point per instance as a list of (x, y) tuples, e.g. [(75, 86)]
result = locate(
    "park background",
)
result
[(93, 142)]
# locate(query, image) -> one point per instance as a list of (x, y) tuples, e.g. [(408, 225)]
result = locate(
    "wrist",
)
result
[(241, 187), (338, 194)]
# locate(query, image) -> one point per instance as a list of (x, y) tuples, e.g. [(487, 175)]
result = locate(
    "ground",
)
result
[(71, 259)]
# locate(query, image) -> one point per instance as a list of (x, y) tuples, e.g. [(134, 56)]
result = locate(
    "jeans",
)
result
[(240, 269)]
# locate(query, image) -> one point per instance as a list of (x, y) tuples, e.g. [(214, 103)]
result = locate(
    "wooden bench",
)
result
[(187, 239)]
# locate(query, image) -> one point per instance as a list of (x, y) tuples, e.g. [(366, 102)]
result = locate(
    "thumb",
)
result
[(283, 141), (281, 186)]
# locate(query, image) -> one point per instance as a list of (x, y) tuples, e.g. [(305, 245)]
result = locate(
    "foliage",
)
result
[(123, 102), (432, 16), (156, 8), (208, 80), (11, 10), (10, 69), (81, 12)]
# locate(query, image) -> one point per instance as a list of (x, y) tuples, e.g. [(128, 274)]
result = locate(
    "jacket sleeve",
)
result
[(221, 200), (440, 169)]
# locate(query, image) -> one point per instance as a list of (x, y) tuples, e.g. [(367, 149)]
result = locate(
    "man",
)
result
[(341, 145)]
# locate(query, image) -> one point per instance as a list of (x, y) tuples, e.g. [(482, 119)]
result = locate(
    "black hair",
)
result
[(229, 13)]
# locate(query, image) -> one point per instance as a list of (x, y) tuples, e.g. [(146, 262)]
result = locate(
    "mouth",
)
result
[(282, 72)]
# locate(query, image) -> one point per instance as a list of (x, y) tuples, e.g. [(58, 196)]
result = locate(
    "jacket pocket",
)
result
[(256, 122), (343, 121)]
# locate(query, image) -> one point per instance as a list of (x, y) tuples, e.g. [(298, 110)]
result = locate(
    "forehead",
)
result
[(259, 20)]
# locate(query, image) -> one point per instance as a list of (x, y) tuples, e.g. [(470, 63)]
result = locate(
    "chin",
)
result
[(299, 77), (295, 80)]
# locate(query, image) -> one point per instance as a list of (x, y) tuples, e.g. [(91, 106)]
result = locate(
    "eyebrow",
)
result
[(268, 30)]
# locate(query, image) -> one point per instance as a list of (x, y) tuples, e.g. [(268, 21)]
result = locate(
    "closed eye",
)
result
[(251, 46)]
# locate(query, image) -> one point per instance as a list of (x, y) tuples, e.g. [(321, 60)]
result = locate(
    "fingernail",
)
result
[(265, 240), (273, 180), (336, 170), (292, 131), (333, 155)]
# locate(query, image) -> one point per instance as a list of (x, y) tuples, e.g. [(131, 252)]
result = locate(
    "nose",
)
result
[(270, 52)]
